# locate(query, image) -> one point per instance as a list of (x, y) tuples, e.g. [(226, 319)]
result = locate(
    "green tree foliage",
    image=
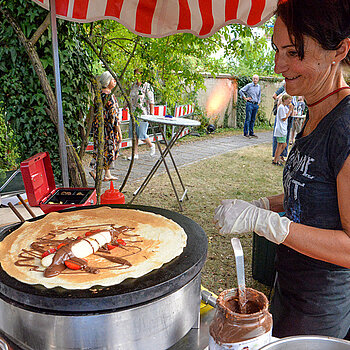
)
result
[(249, 51), (173, 64), (23, 102)]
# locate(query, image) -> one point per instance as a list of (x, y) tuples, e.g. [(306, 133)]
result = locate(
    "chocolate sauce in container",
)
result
[(233, 330)]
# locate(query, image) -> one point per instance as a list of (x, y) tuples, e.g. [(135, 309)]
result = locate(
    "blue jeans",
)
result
[(250, 113), (274, 140)]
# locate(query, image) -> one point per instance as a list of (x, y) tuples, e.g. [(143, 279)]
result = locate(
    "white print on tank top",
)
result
[(301, 163)]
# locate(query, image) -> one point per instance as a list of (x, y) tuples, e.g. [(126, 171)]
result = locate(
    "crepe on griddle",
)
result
[(153, 241)]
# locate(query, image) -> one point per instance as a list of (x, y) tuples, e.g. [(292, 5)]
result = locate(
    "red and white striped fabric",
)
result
[(124, 118), (160, 111), (180, 111), (124, 115), (128, 142), (159, 18), (185, 132)]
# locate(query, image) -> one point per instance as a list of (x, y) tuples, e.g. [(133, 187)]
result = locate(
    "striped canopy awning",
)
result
[(159, 18)]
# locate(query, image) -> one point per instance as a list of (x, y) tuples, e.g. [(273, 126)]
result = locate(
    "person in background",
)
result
[(312, 290), (284, 110), (276, 96), (277, 100), (291, 120), (251, 93), (142, 103), (298, 121), (112, 131), (301, 105)]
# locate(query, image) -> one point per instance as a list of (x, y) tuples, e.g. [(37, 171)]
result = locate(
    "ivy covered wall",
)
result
[(23, 103)]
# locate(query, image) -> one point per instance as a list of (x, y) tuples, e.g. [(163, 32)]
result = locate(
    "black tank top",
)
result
[(313, 287), (309, 177)]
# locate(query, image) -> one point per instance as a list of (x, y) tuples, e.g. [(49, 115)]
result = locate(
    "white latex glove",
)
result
[(237, 216), (262, 203)]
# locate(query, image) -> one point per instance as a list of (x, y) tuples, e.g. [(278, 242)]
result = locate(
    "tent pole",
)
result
[(56, 66)]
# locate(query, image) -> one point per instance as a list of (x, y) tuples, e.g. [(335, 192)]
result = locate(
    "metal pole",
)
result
[(56, 66)]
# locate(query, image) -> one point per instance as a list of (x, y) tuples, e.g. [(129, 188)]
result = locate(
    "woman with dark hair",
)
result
[(312, 293)]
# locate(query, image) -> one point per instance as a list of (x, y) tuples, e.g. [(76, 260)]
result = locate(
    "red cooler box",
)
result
[(41, 189)]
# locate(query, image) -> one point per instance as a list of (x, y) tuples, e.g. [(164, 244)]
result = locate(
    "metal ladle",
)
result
[(238, 250)]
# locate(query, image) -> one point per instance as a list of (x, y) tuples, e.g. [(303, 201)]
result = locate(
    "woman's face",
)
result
[(112, 84), (309, 77)]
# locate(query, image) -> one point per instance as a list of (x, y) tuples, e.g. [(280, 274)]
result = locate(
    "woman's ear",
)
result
[(343, 50)]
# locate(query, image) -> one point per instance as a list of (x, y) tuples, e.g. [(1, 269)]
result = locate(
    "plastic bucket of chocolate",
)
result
[(233, 330)]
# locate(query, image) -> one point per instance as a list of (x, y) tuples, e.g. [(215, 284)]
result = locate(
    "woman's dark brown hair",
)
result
[(326, 21)]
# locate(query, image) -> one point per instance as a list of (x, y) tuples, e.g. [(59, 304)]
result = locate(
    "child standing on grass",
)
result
[(285, 109)]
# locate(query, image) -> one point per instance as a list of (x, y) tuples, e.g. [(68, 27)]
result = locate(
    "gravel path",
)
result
[(184, 154)]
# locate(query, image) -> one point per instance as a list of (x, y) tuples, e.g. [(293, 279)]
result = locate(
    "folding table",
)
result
[(180, 124)]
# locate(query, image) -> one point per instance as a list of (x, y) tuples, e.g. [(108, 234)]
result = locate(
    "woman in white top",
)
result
[(285, 109)]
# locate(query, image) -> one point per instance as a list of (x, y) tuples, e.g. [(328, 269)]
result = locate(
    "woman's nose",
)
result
[(280, 64)]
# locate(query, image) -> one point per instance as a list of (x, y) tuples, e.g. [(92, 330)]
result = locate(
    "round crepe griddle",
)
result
[(131, 292)]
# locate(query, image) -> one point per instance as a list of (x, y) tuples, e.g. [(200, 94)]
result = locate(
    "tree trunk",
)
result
[(100, 139)]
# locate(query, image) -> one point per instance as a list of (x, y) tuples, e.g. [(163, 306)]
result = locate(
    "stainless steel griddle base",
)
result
[(155, 325), (195, 339)]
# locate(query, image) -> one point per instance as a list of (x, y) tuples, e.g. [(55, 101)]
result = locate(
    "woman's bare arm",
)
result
[(276, 203)]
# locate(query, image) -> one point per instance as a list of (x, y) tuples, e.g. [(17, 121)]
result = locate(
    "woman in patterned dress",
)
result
[(112, 131)]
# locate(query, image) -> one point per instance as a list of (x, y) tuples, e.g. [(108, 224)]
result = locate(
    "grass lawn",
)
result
[(245, 174)]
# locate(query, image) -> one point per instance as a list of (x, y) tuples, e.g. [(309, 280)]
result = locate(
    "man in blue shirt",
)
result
[(251, 93)]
